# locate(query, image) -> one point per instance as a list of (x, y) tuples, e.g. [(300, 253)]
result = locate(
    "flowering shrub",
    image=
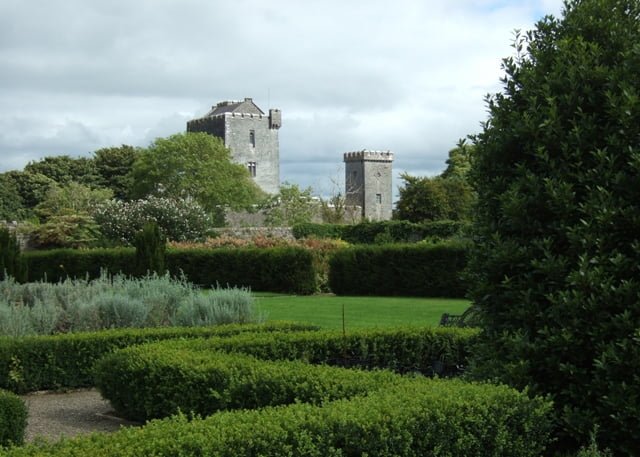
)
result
[(178, 219)]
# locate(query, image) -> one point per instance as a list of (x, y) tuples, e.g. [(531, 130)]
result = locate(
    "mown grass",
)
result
[(326, 310)]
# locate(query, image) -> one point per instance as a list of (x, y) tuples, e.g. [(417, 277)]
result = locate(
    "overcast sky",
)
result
[(408, 76)]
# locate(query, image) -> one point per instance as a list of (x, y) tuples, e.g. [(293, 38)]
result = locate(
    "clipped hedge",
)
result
[(423, 270), (52, 362), (382, 231), (158, 380), (415, 418), (426, 350), (281, 269), (57, 264), (13, 419)]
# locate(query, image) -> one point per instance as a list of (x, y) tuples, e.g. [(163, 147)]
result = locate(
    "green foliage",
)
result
[(375, 232), (59, 264), (193, 165), (13, 419), (151, 246), (34, 363), (11, 204), (114, 165), (423, 270), (64, 169), (416, 417), (70, 199), (310, 229), (459, 161), (159, 380), (12, 263), (433, 199), (64, 231), (281, 269), (425, 350), (32, 187), (290, 206), (556, 171)]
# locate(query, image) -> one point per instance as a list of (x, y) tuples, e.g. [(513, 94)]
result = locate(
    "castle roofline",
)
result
[(244, 107), (368, 155)]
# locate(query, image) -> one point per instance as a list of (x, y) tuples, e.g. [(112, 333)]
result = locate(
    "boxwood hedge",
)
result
[(52, 362), (161, 379), (13, 419), (414, 418)]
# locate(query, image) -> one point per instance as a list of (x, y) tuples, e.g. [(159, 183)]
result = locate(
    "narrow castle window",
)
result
[(379, 199), (252, 169), (252, 138)]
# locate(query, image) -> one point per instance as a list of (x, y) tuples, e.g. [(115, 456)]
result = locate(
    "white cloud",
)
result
[(409, 75)]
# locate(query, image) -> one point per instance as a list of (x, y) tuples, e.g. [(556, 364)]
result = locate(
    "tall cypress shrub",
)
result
[(11, 262), (151, 246), (557, 259)]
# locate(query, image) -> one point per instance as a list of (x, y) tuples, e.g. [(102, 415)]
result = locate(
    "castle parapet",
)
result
[(369, 156)]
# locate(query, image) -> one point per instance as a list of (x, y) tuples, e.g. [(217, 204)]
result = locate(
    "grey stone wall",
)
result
[(368, 181), (262, 147)]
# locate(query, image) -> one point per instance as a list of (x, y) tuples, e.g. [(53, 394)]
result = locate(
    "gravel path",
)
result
[(52, 415)]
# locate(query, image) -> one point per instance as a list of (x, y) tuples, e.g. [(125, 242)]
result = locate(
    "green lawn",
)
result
[(326, 310)]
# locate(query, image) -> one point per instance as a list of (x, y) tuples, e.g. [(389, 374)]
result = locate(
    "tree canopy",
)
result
[(194, 165), (555, 268)]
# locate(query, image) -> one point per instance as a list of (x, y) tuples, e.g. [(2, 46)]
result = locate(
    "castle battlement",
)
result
[(369, 156)]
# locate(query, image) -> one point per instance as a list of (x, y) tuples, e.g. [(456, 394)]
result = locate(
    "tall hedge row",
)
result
[(415, 418), (52, 362), (427, 270), (282, 269), (288, 270), (382, 231)]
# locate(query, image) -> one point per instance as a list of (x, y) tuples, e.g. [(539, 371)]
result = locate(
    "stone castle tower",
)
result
[(368, 176), (250, 135)]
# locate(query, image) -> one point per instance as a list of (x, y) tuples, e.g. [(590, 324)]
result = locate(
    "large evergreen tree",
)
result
[(557, 263)]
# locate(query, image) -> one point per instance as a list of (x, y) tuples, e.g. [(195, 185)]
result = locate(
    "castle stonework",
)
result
[(368, 176), (250, 135)]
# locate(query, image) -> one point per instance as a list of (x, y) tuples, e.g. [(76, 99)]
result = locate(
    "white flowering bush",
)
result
[(178, 219)]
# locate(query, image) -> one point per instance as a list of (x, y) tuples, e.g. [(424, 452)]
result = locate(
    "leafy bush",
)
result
[(406, 270), (416, 417), (13, 419), (179, 219), (159, 380), (558, 222), (51, 362), (11, 262), (150, 247)]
